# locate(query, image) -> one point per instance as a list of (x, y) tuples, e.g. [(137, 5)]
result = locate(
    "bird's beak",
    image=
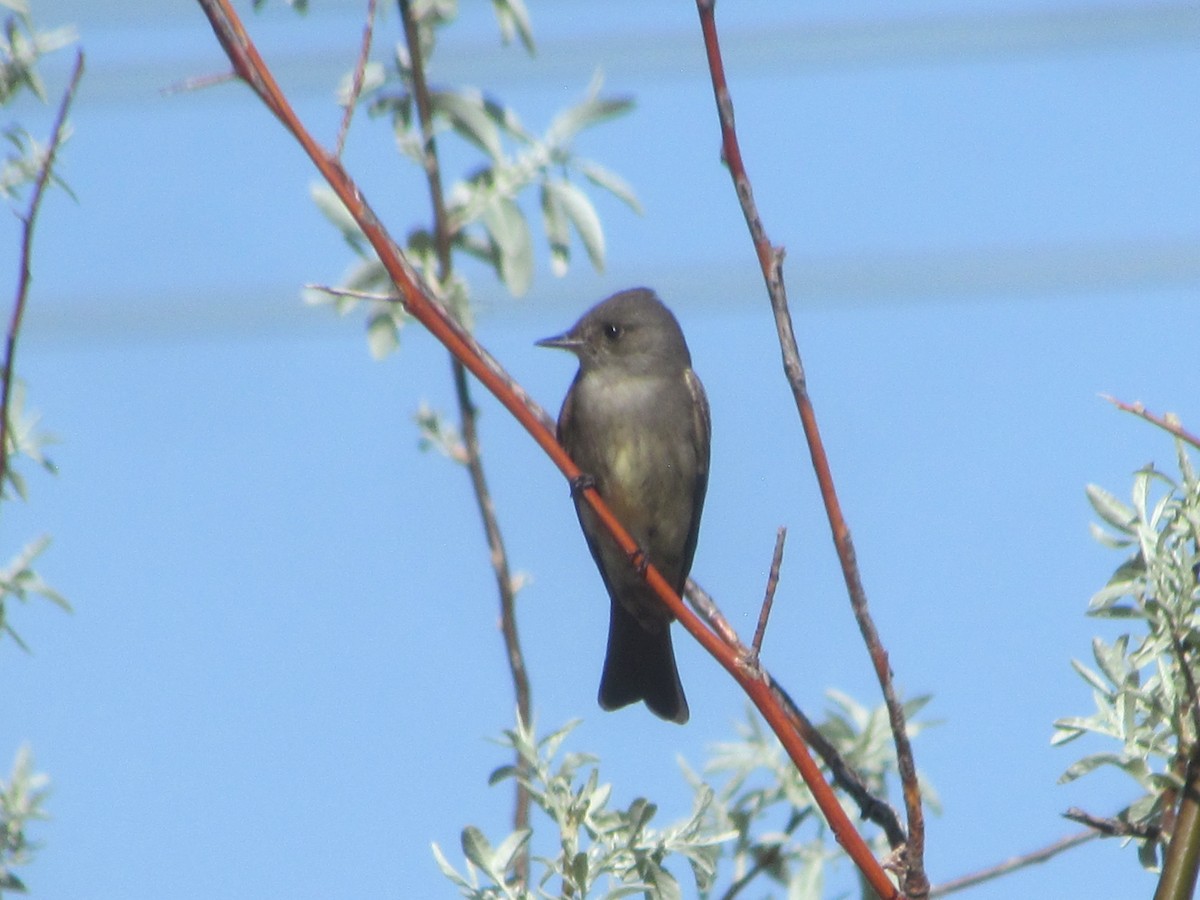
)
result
[(562, 342)]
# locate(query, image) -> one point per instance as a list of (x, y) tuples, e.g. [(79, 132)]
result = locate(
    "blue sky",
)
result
[(283, 668)]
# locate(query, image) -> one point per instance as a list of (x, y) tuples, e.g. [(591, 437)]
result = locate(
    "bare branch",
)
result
[(769, 597), (1111, 827), (356, 85), (1013, 864), (1169, 422), (25, 270), (916, 884)]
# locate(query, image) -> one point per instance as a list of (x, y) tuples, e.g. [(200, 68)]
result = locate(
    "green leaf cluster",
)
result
[(760, 822), (486, 210), (21, 802), (599, 850), (781, 834), (21, 47), (1144, 683)]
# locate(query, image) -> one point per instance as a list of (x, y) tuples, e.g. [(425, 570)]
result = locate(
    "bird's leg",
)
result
[(640, 561)]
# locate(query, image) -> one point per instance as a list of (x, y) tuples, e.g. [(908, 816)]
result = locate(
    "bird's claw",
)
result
[(581, 483)]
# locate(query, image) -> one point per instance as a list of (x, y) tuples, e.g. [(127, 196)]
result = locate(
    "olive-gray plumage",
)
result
[(636, 421)]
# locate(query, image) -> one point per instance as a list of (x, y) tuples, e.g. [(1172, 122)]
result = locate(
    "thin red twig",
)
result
[(425, 309), (769, 597), (1166, 422), (916, 883), (360, 69), (25, 270)]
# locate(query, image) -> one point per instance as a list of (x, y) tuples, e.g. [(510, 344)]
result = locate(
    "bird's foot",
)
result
[(581, 483)]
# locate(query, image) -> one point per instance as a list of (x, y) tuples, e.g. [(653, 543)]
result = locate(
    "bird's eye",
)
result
[(611, 331)]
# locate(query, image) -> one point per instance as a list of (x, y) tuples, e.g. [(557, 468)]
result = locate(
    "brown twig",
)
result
[(351, 294), (468, 425), (1112, 827), (769, 596), (1013, 864), (25, 268), (1166, 422), (356, 85), (197, 82), (916, 884), (423, 307)]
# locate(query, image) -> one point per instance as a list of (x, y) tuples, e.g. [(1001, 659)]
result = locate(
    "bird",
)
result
[(636, 422)]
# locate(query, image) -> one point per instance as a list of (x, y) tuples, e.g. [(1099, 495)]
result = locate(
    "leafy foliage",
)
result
[(596, 844), (761, 821), (780, 832), (21, 802), (485, 217), (21, 47), (1144, 683)]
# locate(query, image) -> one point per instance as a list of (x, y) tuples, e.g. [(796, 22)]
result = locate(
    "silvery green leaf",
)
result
[(590, 111), (579, 210), (611, 182), (506, 225), (514, 19), (510, 847), (558, 232), (476, 848), (1110, 509), (383, 336), (468, 115), (449, 870), (1089, 764)]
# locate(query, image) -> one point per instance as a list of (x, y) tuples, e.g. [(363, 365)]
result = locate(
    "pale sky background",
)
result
[(283, 669)]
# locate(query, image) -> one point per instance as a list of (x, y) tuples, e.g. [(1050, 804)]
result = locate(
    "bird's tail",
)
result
[(640, 665)]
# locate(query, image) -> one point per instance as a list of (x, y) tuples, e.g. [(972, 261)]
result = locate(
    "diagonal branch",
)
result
[(1167, 423), (25, 270), (770, 258), (422, 306), (468, 416), (1011, 865), (360, 71)]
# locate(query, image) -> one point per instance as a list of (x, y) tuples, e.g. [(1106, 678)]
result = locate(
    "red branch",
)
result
[(770, 258), (418, 303), (1167, 423)]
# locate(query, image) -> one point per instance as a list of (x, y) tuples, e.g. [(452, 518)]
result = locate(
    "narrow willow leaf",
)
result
[(1110, 509), (592, 110), (514, 19), (1089, 764), (476, 848), (582, 214), (510, 847), (506, 225), (558, 231), (1091, 677), (449, 870), (611, 182), (383, 337), (467, 114)]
